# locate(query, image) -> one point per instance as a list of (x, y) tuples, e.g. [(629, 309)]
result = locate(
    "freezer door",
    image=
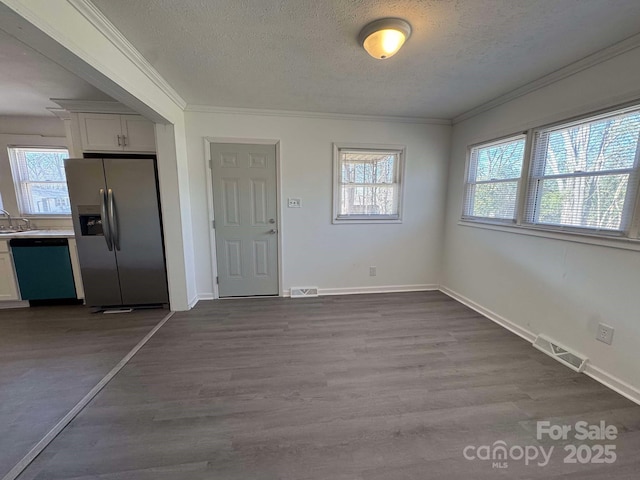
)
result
[(87, 192), (137, 233)]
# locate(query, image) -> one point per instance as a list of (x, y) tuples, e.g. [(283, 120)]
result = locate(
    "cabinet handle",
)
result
[(119, 142), (124, 140)]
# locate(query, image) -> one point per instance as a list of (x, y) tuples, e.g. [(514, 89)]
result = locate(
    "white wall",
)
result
[(45, 126), (556, 287), (28, 132), (316, 252)]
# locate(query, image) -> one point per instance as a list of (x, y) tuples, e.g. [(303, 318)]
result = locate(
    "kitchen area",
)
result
[(80, 235), (107, 250)]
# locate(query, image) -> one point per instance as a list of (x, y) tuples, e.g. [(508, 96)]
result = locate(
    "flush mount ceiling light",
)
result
[(383, 38)]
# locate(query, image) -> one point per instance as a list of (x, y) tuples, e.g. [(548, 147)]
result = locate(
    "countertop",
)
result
[(39, 234)]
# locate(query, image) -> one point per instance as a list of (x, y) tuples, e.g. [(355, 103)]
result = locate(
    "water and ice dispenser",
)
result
[(90, 220)]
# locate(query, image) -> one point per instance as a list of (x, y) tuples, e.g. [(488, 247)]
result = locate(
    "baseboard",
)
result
[(192, 303), (494, 317), (593, 371), (198, 297), (614, 383), (375, 289), (14, 304)]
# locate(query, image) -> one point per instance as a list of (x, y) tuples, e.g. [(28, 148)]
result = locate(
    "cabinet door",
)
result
[(8, 284), (100, 132), (140, 135), (75, 265)]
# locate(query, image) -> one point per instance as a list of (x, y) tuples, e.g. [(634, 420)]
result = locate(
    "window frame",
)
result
[(534, 178), (627, 238), (519, 180), (338, 148), (18, 181)]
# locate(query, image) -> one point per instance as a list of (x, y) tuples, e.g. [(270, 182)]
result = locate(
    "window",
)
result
[(584, 174), (368, 186), (492, 180), (40, 181)]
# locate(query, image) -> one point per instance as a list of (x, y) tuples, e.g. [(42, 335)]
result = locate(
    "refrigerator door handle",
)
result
[(105, 221), (113, 220)]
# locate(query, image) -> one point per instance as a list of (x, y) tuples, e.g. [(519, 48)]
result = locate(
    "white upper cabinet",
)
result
[(100, 132), (139, 134), (103, 132)]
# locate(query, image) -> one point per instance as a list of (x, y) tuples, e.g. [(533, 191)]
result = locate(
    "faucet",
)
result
[(27, 224), (2, 210)]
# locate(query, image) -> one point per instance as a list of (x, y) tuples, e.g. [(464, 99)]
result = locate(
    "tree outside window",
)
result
[(40, 180)]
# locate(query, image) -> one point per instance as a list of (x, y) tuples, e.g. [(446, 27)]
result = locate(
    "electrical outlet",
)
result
[(294, 203), (605, 333), (373, 271)]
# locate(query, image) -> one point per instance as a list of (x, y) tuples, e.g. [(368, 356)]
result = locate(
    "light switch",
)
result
[(294, 203)]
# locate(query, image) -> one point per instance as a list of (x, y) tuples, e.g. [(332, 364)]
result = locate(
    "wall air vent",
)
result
[(300, 292), (571, 359)]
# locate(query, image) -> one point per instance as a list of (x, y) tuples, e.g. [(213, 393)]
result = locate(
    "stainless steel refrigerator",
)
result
[(116, 219)]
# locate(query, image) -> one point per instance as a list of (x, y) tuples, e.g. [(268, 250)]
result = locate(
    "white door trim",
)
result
[(212, 235)]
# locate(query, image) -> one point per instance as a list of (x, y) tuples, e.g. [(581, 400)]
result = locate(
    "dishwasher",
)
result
[(43, 268)]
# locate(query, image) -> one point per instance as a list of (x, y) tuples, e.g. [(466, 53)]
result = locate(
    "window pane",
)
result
[(40, 180), (494, 200), (49, 198), (368, 168), (361, 200), (488, 195), (498, 162), (590, 202), (45, 166), (367, 184), (604, 144)]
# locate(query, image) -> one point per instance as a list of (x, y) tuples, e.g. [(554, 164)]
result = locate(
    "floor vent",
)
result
[(571, 359), (300, 292)]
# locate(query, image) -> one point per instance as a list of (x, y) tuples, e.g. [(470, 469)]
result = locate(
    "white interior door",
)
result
[(246, 222)]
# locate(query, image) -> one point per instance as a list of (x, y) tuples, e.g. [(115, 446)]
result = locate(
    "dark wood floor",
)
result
[(50, 357), (375, 387)]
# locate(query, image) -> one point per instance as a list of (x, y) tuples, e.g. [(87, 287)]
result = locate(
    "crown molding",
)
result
[(61, 113), (321, 115), (92, 106), (89, 11), (560, 74)]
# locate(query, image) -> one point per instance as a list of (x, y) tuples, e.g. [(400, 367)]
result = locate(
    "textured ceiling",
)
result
[(28, 80), (303, 54)]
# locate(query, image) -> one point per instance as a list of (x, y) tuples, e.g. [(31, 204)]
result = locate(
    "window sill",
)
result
[(348, 221), (623, 243), (44, 217)]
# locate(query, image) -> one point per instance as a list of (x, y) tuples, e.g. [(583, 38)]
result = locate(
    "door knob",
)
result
[(272, 231), (271, 220)]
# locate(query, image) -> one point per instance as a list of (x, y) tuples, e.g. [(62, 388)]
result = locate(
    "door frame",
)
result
[(208, 141)]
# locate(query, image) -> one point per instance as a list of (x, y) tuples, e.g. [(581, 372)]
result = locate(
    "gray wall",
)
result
[(316, 252), (548, 285)]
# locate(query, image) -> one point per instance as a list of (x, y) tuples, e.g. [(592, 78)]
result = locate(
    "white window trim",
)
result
[(611, 241), (519, 188), (336, 219), (629, 240), (17, 180)]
